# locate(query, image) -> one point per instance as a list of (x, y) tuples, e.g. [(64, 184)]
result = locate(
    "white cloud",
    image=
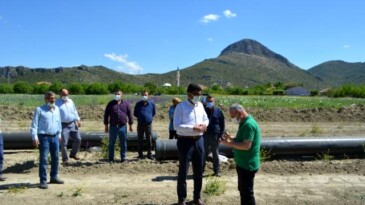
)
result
[(210, 17), (346, 46), (227, 13), (130, 66), (210, 39)]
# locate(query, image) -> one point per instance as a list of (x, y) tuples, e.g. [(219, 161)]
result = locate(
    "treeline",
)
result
[(356, 91)]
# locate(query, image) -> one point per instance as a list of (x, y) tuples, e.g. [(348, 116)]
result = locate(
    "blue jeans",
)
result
[(190, 150), (113, 133), (1, 154), (48, 143)]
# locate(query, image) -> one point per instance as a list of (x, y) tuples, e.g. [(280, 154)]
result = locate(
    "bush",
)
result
[(97, 89), (76, 88), (22, 88), (6, 89), (40, 89), (278, 92)]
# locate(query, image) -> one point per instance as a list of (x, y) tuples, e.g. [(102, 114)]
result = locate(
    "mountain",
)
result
[(244, 63), (81, 74), (338, 72)]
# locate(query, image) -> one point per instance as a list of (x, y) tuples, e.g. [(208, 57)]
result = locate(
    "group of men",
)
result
[(199, 128)]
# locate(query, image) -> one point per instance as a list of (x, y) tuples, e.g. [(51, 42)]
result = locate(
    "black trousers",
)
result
[(172, 134), (245, 185), (141, 131)]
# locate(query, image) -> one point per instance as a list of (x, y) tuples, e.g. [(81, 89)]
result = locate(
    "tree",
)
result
[(23, 88)]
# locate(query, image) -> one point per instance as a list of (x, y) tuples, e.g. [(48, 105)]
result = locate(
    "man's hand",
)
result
[(106, 129), (78, 123), (35, 143), (200, 128), (130, 128)]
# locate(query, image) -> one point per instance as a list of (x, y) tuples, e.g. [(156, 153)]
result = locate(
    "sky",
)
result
[(158, 36)]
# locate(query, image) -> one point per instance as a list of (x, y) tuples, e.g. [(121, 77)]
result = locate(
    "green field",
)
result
[(266, 102)]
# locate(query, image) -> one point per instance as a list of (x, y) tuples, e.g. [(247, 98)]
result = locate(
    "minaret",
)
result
[(178, 77)]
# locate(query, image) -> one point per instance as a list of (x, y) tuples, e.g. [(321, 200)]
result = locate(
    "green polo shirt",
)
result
[(248, 159)]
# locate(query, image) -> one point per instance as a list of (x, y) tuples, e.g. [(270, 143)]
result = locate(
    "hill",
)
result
[(338, 72)]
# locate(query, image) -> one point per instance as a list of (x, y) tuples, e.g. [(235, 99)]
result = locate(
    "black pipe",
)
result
[(167, 149), (23, 140)]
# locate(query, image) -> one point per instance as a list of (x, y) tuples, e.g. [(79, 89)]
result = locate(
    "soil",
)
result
[(93, 180)]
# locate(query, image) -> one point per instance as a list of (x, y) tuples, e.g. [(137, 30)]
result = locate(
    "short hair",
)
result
[(176, 101), (193, 87), (49, 94), (117, 90), (144, 91), (209, 97), (236, 107)]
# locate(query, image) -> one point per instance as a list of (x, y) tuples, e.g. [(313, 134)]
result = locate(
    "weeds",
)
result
[(315, 130), (326, 157), (265, 155), (60, 195), (215, 186), (17, 190), (78, 191)]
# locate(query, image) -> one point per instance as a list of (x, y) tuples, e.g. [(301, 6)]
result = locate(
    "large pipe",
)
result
[(23, 140), (167, 149)]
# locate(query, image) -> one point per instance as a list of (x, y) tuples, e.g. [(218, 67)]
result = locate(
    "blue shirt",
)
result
[(216, 121), (67, 110), (46, 121), (144, 112), (171, 116)]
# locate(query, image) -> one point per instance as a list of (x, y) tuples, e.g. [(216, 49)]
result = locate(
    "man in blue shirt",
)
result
[(144, 111), (46, 134), (70, 126), (2, 178), (214, 131)]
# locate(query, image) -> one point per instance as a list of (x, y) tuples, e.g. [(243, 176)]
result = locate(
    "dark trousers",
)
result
[(1, 154), (211, 145), (190, 150), (172, 134), (141, 131), (245, 185)]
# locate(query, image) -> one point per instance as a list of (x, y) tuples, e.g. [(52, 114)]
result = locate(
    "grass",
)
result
[(215, 186), (17, 189), (265, 155), (267, 102), (326, 157), (77, 192)]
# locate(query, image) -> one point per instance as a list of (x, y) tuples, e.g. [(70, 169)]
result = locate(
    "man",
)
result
[(116, 116), (2, 178), (214, 132), (144, 111), (70, 126), (246, 148), (190, 122), (46, 134), (172, 131)]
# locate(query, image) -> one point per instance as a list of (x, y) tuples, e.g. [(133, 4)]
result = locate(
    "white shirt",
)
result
[(68, 110), (187, 115)]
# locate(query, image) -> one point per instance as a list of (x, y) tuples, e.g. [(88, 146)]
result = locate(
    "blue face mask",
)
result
[(210, 104)]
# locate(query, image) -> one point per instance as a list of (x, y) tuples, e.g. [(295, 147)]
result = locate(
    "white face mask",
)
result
[(50, 104), (117, 97), (144, 98), (235, 120), (64, 98), (196, 99)]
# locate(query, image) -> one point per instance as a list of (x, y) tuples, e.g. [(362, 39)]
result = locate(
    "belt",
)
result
[(196, 137), (67, 123), (47, 135), (119, 125)]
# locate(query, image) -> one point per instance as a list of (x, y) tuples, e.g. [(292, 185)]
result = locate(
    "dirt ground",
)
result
[(93, 180)]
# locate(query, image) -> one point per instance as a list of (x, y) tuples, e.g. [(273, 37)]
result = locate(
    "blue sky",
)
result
[(157, 36)]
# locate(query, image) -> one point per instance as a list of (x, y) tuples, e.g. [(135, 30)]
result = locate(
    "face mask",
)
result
[(235, 120), (50, 104), (144, 98), (118, 97), (196, 99), (64, 98), (210, 104)]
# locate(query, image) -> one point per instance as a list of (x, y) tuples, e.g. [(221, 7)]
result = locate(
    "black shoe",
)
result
[(43, 185), (2, 178), (140, 157), (56, 181), (217, 174), (123, 160), (111, 161), (199, 202), (182, 202), (150, 158)]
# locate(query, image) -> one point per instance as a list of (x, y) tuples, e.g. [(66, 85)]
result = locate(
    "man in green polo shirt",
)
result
[(246, 148)]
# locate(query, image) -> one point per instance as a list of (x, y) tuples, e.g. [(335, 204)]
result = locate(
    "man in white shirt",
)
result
[(190, 122), (2, 178), (70, 126)]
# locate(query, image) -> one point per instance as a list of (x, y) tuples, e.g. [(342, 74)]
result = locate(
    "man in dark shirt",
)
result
[(214, 132), (144, 111), (116, 113)]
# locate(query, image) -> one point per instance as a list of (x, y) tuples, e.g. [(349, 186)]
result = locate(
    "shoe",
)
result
[(123, 160), (111, 161), (43, 185), (2, 178), (56, 181), (140, 157), (64, 163), (75, 157), (217, 175), (150, 158), (183, 202), (198, 202)]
